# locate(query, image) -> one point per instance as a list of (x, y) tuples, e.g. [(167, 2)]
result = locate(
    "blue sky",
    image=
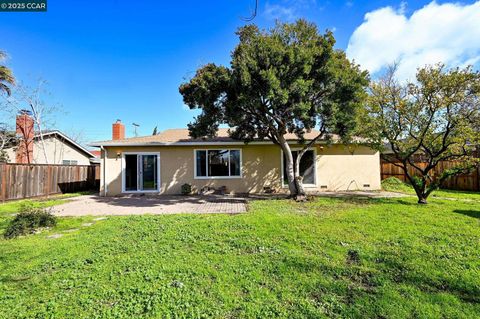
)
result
[(116, 59)]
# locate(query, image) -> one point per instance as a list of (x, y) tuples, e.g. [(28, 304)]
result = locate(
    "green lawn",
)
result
[(341, 258)]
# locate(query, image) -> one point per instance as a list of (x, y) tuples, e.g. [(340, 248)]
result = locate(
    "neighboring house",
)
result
[(96, 153), (95, 160), (60, 149), (163, 163)]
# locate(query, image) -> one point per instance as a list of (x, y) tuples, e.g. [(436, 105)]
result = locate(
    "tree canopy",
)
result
[(288, 79), (6, 76)]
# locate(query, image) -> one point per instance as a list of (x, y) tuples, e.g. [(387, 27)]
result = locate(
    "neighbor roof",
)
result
[(181, 137), (66, 138)]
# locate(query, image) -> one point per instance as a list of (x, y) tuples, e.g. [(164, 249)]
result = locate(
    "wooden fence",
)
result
[(467, 182), (19, 181)]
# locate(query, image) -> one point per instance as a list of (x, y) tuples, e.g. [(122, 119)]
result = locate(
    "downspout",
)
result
[(104, 151)]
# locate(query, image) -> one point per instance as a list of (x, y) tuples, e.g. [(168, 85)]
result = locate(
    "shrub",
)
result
[(28, 221), (186, 189)]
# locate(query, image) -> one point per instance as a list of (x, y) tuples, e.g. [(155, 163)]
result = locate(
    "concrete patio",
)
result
[(95, 205)]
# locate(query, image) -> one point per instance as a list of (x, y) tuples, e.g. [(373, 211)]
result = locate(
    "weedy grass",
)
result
[(340, 258), (13, 207)]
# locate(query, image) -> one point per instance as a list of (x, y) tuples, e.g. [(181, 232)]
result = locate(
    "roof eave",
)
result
[(57, 132), (115, 144)]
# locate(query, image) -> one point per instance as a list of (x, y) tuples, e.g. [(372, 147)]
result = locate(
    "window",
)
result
[(307, 167), (69, 162), (217, 163)]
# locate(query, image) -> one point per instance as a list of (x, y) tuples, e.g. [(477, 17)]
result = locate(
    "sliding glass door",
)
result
[(141, 172), (148, 171), (131, 173)]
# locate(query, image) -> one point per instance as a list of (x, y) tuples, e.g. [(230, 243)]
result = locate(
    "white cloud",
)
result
[(288, 10), (448, 33), (280, 12)]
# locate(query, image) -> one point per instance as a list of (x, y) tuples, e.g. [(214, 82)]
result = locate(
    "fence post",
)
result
[(47, 182), (4, 182), (478, 178)]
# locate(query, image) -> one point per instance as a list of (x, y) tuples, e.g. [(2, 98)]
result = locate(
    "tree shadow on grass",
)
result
[(404, 202), (468, 212)]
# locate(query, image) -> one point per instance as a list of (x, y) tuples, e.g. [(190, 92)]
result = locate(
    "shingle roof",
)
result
[(181, 136)]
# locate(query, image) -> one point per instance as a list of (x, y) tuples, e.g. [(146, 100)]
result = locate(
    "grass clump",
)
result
[(28, 221), (393, 184)]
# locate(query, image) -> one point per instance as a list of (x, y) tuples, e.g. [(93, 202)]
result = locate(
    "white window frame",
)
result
[(158, 171), (206, 164), (315, 179), (69, 162)]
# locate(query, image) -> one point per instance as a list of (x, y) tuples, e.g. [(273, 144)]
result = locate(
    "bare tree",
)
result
[(77, 135), (32, 99), (8, 139)]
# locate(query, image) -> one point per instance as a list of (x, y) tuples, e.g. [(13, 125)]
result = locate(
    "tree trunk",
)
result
[(422, 199), (420, 191), (301, 195), (42, 141), (289, 165)]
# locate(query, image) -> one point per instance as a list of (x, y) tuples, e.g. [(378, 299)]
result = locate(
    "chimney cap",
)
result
[(25, 112), (118, 121)]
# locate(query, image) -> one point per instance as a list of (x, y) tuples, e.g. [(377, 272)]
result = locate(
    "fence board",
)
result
[(19, 181), (466, 182)]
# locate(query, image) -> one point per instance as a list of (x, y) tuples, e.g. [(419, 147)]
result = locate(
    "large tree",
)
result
[(434, 119), (288, 79), (6, 76)]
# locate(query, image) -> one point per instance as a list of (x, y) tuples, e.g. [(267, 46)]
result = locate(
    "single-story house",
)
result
[(162, 163), (32, 146)]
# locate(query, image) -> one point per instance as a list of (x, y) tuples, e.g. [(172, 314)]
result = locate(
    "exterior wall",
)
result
[(12, 155), (57, 151), (336, 167), (340, 168)]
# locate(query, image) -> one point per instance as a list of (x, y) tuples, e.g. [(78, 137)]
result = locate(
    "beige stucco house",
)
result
[(161, 164), (60, 150)]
